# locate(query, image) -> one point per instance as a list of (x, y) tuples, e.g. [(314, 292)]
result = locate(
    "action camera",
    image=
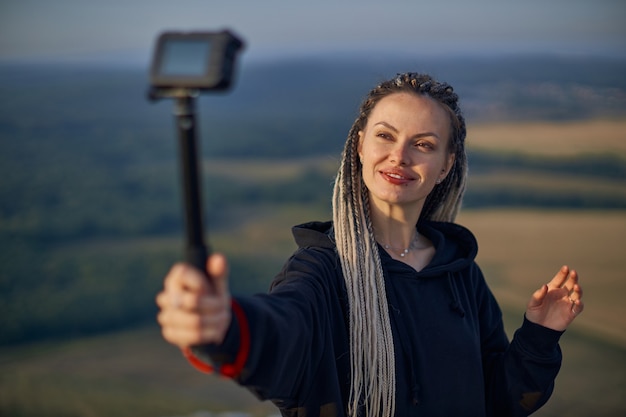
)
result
[(194, 60)]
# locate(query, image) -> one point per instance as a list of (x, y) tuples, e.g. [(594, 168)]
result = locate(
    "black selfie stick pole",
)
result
[(196, 251), (183, 66)]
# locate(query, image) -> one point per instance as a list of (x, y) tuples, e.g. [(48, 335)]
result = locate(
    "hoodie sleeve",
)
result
[(519, 376), (289, 332)]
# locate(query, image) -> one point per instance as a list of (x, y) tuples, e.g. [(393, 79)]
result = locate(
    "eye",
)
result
[(425, 145), (384, 135)]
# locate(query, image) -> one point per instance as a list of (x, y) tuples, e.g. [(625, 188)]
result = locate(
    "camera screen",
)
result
[(185, 58)]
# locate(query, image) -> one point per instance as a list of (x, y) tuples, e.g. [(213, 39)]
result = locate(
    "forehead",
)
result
[(411, 111)]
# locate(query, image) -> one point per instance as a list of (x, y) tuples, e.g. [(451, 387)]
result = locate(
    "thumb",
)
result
[(538, 296), (217, 269)]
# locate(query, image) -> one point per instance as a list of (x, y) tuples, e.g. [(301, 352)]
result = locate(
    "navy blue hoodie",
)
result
[(453, 357)]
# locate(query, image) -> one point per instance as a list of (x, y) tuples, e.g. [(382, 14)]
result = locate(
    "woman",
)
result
[(382, 311)]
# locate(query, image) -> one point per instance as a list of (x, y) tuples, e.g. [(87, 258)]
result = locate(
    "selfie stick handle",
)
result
[(196, 251)]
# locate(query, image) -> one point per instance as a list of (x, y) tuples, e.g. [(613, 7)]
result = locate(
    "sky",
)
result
[(107, 30)]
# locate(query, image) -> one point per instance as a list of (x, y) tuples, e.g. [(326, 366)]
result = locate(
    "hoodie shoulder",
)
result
[(315, 260), (314, 234)]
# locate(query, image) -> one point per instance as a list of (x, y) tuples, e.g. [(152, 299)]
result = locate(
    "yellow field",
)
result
[(521, 250), (551, 138)]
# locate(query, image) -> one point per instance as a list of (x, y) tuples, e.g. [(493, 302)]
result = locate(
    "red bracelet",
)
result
[(229, 370)]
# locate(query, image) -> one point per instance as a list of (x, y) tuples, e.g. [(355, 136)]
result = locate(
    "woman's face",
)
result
[(404, 150)]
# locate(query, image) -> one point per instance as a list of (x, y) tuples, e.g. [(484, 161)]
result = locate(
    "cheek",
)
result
[(368, 166), (370, 153)]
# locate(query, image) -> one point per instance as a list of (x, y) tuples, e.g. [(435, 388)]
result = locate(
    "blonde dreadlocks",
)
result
[(373, 383)]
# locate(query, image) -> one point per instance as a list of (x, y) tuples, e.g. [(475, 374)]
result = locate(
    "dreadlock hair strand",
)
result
[(372, 356)]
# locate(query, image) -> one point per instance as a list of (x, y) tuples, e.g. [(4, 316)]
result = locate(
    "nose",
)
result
[(399, 154)]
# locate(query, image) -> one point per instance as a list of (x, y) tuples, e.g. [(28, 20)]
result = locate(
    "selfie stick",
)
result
[(196, 251), (184, 65)]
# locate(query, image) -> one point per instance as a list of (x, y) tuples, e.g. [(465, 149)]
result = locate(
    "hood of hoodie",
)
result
[(455, 246)]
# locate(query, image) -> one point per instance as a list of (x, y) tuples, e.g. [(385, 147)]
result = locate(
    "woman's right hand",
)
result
[(195, 309)]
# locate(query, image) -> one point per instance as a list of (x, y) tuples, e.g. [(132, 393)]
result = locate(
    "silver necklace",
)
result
[(404, 252)]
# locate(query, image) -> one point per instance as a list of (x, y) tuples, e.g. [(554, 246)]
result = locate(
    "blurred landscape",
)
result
[(91, 216)]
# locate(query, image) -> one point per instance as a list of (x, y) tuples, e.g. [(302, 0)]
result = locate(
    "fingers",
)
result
[(577, 307), (538, 296), (560, 278), (557, 303), (185, 287), (566, 278), (575, 291), (194, 309), (576, 298), (190, 301), (217, 269), (184, 277), (185, 328)]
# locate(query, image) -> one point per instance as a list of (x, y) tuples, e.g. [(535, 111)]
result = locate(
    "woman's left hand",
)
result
[(556, 304)]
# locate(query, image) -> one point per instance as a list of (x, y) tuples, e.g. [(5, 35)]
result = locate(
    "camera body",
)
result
[(194, 60)]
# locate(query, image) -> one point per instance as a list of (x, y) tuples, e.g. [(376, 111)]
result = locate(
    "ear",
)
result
[(447, 167), (360, 145), (451, 159)]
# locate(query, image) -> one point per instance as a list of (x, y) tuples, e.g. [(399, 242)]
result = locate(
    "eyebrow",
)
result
[(417, 136)]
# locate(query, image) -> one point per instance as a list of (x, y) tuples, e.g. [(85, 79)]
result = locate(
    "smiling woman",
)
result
[(383, 311)]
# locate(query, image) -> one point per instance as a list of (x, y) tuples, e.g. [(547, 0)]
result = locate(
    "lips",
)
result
[(396, 177)]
